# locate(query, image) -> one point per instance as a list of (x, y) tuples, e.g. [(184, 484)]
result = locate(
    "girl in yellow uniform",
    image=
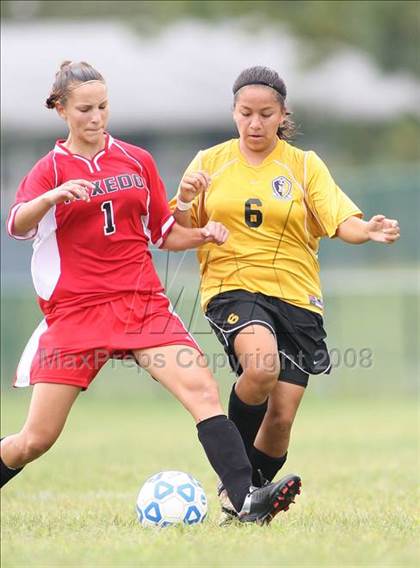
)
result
[(261, 290)]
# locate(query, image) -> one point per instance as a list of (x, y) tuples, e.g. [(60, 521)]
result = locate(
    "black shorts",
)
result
[(299, 332)]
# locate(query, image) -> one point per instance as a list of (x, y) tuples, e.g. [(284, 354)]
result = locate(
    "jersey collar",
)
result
[(91, 163), (277, 150)]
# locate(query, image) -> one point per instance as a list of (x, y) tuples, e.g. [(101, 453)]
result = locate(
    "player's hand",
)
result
[(192, 184), (383, 230), (69, 191), (214, 232)]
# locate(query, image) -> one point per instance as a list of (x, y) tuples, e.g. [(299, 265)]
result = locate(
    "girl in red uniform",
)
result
[(93, 204)]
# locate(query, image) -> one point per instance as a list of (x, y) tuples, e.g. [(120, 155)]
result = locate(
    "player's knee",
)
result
[(36, 444), (209, 393), (263, 379)]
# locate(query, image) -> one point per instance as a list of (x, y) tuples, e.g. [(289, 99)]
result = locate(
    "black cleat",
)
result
[(263, 503), (260, 480)]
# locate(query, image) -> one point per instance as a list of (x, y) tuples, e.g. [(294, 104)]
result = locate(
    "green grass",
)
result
[(75, 506)]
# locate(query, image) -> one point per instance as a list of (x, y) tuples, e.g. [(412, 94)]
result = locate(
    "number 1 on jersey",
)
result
[(109, 227)]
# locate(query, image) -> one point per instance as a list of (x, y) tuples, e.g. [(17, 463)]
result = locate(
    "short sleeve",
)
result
[(160, 219), (40, 179), (328, 203), (196, 210)]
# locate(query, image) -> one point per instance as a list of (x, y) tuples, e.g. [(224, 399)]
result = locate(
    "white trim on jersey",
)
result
[(55, 170), (87, 162), (145, 218), (128, 155), (60, 150), (23, 372), (173, 312), (45, 264), (10, 225), (164, 229), (167, 224), (96, 158)]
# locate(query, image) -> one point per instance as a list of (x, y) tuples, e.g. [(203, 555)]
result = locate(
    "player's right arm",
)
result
[(30, 213), (193, 183)]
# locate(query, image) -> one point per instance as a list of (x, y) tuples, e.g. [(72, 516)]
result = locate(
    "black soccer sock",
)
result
[(226, 453), (266, 464), (247, 417), (6, 473)]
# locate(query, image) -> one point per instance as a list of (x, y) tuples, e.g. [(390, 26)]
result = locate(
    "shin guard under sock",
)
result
[(268, 465), (247, 417), (226, 453)]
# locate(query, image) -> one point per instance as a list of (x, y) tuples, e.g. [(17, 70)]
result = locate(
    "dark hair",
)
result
[(68, 74), (267, 77)]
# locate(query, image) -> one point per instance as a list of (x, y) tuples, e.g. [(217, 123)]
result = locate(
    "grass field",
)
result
[(75, 506), (354, 444)]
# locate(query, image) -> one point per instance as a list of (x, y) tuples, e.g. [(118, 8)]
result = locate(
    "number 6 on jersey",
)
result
[(109, 227)]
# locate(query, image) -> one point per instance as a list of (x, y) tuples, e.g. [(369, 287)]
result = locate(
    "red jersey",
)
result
[(89, 252)]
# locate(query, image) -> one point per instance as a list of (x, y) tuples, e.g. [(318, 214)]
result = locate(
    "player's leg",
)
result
[(269, 452), (183, 372), (48, 411), (194, 386), (298, 351), (245, 324), (255, 348)]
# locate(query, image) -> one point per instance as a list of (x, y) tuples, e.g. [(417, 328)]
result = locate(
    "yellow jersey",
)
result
[(276, 213)]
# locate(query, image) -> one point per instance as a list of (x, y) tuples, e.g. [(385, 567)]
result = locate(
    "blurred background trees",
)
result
[(387, 30)]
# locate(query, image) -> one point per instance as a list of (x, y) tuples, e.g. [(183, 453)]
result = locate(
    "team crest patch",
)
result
[(282, 188), (232, 318)]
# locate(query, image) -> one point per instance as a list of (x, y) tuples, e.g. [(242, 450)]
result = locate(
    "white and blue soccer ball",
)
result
[(170, 498)]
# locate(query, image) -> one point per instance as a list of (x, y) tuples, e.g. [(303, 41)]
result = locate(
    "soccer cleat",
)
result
[(261, 480), (228, 514), (263, 503)]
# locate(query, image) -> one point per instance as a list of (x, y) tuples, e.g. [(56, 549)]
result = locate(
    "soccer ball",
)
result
[(169, 498)]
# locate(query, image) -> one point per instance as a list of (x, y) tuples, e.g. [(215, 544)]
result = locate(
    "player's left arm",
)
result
[(182, 238), (379, 229)]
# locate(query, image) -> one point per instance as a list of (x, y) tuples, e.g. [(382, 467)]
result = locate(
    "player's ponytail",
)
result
[(267, 77), (287, 130), (67, 77)]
